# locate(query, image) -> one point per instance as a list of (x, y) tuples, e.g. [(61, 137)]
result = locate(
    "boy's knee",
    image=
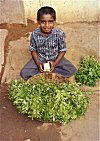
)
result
[(22, 74), (74, 70)]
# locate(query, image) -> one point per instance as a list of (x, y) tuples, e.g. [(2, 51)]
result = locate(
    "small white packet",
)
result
[(46, 67)]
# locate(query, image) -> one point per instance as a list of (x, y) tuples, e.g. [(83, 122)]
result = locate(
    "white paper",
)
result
[(47, 66)]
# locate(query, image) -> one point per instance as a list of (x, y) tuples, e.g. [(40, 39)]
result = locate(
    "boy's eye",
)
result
[(50, 21), (42, 22)]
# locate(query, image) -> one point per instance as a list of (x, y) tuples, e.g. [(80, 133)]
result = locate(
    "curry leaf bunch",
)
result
[(88, 72), (48, 101)]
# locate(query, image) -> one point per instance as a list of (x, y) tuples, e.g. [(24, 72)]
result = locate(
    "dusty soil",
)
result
[(17, 127), (82, 40)]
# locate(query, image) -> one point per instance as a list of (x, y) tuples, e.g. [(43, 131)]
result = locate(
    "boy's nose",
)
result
[(47, 24)]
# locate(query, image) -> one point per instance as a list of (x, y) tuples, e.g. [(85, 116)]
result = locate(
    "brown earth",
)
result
[(17, 127), (82, 40)]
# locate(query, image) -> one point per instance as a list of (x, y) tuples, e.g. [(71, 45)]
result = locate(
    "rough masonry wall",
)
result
[(12, 11), (67, 10)]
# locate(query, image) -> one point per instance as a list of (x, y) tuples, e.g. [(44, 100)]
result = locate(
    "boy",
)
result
[(47, 44)]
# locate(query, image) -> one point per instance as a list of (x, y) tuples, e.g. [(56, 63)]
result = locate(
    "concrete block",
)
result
[(3, 34), (12, 11)]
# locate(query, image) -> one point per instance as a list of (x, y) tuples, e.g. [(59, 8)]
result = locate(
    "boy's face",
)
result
[(46, 23)]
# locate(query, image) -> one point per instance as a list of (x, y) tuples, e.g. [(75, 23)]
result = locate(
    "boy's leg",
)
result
[(65, 68), (29, 70)]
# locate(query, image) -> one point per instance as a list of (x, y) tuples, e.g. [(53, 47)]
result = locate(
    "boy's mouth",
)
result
[(47, 29)]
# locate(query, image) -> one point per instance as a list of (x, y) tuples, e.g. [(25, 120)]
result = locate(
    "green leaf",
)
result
[(49, 101)]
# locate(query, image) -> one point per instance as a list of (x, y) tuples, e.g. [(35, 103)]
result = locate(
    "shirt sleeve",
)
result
[(32, 43), (62, 43)]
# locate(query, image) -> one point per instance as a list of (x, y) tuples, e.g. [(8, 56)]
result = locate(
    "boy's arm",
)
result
[(60, 56), (62, 50), (34, 52), (35, 57)]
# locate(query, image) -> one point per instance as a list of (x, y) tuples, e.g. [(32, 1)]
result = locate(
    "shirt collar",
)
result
[(38, 31)]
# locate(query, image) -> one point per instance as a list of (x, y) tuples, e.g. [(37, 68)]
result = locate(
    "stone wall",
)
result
[(12, 11), (3, 34), (18, 11), (67, 10)]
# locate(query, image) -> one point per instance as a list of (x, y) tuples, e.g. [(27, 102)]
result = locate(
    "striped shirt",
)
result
[(48, 47)]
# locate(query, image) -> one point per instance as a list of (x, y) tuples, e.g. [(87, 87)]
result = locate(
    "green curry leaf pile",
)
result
[(88, 72), (48, 101)]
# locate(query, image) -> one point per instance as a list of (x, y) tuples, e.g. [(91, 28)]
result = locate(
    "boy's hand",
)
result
[(40, 65), (52, 66)]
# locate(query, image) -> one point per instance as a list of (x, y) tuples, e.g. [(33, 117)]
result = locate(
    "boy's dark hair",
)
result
[(46, 10)]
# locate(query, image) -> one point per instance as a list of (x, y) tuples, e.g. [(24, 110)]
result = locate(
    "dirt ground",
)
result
[(17, 127), (82, 39)]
